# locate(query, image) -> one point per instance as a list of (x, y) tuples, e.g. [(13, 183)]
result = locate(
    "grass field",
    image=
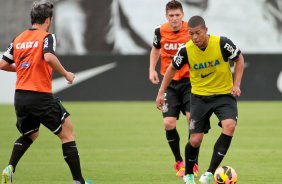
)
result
[(124, 143)]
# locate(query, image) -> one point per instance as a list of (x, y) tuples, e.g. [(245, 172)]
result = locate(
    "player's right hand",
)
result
[(160, 101), (154, 78), (70, 77)]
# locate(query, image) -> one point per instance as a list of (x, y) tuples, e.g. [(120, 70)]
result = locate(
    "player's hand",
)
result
[(160, 101), (69, 77), (235, 91), (154, 77)]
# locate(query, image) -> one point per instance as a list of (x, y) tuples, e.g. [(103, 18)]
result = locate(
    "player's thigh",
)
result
[(27, 124), (67, 134), (226, 107), (25, 107), (172, 103), (55, 116), (200, 114), (184, 93)]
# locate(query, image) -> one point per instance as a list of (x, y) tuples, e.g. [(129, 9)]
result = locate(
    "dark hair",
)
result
[(196, 21), (40, 11), (172, 5)]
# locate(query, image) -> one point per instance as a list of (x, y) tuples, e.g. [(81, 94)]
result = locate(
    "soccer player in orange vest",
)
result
[(32, 56), (167, 39)]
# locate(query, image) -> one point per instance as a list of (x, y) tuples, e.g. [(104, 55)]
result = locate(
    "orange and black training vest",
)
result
[(33, 72), (170, 42)]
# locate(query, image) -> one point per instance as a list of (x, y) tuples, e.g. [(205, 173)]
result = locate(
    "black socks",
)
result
[(220, 149), (20, 146), (173, 141), (191, 156), (72, 158)]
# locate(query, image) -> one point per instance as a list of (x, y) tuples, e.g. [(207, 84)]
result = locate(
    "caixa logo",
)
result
[(25, 64)]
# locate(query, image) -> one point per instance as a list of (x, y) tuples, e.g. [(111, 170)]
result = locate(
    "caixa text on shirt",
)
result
[(207, 64), (27, 45), (172, 46)]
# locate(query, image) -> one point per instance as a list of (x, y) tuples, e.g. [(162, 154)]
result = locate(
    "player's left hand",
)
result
[(235, 91)]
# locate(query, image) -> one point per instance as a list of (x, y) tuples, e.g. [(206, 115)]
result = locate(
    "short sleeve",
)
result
[(157, 38), (49, 45), (228, 49), (8, 56), (180, 58)]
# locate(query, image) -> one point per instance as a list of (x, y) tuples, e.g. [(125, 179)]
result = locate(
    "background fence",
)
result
[(125, 78)]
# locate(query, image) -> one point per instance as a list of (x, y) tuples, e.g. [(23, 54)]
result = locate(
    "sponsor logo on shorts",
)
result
[(192, 124), (165, 107)]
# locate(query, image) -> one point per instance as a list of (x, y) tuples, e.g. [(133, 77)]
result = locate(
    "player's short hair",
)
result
[(172, 5), (40, 11), (196, 21)]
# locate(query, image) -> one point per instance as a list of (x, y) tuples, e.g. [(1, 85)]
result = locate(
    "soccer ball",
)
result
[(225, 175)]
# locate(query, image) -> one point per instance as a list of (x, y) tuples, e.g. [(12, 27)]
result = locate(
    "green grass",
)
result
[(124, 143)]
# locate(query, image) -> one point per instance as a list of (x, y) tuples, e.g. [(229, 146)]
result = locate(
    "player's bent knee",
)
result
[(196, 139), (66, 136), (169, 123), (67, 133), (33, 136), (229, 126)]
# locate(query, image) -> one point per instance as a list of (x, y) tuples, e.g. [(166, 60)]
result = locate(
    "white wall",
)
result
[(7, 83)]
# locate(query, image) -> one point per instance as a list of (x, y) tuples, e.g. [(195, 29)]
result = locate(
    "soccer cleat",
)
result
[(189, 179), (88, 182), (206, 178), (7, 175), (180, 173), (196, 170), (180, 168)]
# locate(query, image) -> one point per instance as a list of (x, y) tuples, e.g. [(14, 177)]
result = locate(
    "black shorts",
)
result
[(202, 107), (177, 98), (35, 108)]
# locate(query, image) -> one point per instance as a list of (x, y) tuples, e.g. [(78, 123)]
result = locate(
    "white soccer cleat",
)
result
[(206, 178)]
